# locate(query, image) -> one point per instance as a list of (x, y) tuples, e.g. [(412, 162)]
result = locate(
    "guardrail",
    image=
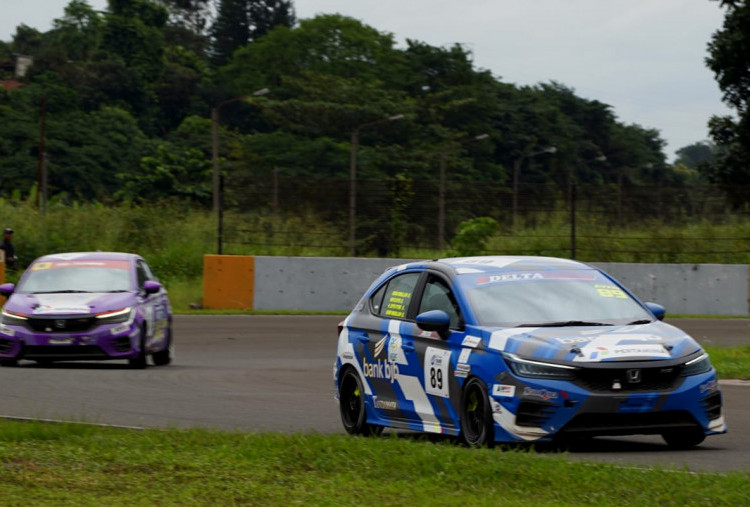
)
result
[(336, 283)]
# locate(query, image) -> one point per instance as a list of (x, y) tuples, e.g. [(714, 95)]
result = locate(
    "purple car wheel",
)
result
[(164, 356), (140, 362)]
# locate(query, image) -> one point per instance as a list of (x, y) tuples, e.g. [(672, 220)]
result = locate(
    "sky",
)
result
[(644, 58)]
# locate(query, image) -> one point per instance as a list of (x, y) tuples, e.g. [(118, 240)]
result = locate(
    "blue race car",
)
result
[(519, 349)]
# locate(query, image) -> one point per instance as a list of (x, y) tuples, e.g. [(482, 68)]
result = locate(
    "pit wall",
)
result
[(337, 283)]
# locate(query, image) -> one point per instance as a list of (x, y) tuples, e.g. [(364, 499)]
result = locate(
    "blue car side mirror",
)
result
[(435, 320)]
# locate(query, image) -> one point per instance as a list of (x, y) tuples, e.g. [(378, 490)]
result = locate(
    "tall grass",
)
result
[(174, 237)]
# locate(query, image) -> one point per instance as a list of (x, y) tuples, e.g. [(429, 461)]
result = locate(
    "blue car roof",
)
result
[(500, 263)]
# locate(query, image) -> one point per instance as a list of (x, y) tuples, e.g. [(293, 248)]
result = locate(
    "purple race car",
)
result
[(86, 306)]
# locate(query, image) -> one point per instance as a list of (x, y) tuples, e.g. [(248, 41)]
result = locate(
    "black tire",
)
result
[(9, 362), (141, 361), (684, 438), (164, 357), (477, 426), (352, 405)]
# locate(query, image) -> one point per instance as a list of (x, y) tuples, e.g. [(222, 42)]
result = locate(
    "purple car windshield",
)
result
[(76, 276)]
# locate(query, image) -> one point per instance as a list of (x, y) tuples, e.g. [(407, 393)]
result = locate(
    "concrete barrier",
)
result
[(336, 283)]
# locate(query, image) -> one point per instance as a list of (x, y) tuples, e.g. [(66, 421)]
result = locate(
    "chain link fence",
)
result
[(301, 216)]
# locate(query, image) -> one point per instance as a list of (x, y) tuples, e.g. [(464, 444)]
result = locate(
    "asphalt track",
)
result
[(259, 373)]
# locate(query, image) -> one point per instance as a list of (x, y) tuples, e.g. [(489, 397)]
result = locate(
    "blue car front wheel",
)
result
[(476, 415)]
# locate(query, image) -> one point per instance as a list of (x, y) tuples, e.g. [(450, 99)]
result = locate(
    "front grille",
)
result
[(533, 413), (602, 380), (629, 423), (61, 324), (61, 352), (712, 405), (5, 346)]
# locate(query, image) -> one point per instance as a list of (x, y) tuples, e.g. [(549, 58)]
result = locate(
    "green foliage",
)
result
[(729, 59), (126, 91), (472, 235), (239, 22)]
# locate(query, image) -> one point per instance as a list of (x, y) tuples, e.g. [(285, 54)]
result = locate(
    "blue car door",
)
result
[(435, 358)]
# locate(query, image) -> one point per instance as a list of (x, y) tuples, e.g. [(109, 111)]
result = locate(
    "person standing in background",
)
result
[(10, 250)]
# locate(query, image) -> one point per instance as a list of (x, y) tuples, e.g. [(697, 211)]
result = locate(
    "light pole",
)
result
[(441, 188), (215, 154), (353, 147), (215, 139), (516, 174)]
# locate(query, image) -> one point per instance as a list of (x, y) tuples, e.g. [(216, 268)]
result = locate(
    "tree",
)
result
[(729, 59), (241, 21), (696, 155)]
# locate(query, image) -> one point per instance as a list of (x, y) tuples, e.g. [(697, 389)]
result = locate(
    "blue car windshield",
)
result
[(75, 277), (550, 298)]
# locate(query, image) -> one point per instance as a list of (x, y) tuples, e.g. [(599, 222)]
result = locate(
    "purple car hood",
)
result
[(69, 304), (654, 341)]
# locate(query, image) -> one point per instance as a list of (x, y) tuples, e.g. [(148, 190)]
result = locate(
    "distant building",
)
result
[(14, 69)]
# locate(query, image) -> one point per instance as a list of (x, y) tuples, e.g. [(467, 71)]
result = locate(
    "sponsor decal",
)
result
[(509, 277), (394, 346), (496, 407), (46, 309), (463, 367), (651, 350), (348, 355), (571, 341), (383, 404), (503, 390), (610, 291), (471, 341), (544, 394), (379, 346), (463, 357), (426, 334), (80, 264), (708, 387), (380, 370), (460, 374)]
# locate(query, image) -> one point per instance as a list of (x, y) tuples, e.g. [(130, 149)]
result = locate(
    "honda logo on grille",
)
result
[(634, 376)]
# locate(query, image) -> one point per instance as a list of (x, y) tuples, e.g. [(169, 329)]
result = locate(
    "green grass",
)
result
[(731, 362), (67, 464)]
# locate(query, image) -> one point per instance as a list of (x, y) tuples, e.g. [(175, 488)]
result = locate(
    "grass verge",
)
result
[(65, 464), (731, 362)]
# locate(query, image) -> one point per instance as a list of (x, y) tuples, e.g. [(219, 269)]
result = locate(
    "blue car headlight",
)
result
[(538, 369), (115, 317), (700, 364)]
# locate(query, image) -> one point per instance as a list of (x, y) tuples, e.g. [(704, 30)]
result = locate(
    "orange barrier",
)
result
[(228, 282)]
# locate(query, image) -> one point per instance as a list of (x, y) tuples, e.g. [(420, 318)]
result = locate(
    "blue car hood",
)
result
[(68, 304), (654, 341)]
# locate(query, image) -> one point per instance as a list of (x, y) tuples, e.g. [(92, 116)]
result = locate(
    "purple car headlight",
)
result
[(13, 319)]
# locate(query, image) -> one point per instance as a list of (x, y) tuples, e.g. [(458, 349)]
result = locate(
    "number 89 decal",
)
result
[(436, 363)]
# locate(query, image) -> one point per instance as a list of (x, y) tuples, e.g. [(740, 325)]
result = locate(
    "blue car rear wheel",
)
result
[(352, 405)]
